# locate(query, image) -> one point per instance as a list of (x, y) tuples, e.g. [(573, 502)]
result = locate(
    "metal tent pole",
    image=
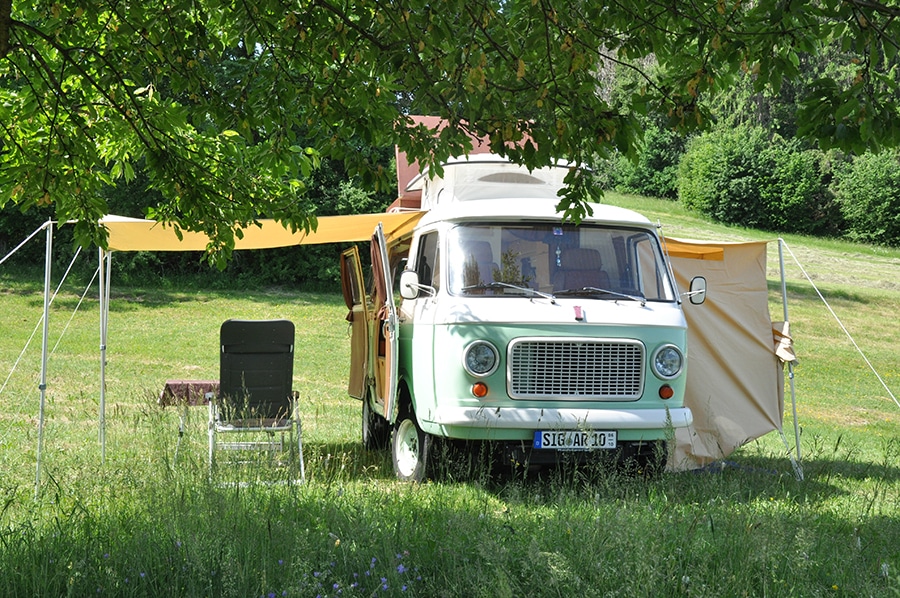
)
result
[(43, 384), (104, 267), (790, 364)]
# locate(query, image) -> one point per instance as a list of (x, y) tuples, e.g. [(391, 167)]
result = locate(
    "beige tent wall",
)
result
[(735, 387)]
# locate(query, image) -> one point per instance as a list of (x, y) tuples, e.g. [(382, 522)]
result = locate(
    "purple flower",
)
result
[(401, 568)]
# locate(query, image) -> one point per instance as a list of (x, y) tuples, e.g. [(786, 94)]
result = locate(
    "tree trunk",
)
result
[(5, 24)]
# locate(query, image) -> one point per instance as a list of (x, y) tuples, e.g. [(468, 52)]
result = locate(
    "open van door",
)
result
[(354, 291), (386, 326)]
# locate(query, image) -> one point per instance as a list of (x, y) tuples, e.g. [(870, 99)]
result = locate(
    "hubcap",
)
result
[(407, 447)]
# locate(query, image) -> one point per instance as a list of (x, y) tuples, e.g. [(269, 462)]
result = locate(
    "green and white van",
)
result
[(515, 327)]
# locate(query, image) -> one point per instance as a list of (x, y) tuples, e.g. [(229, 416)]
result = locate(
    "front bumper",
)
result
[(533, 418)]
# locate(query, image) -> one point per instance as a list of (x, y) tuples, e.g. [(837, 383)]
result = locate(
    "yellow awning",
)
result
[(128, 234)]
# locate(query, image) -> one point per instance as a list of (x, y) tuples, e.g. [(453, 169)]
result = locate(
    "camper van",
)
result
[(496, 320)]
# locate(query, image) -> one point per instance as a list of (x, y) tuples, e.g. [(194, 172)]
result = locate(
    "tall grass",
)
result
[(139, 524)]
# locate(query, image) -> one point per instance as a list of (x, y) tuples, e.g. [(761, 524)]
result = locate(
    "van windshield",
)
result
[(590, 261)]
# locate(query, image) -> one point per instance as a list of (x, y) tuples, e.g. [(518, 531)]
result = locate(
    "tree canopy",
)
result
[(228, 106)]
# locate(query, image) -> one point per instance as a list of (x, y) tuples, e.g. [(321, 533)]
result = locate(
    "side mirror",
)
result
[(697, 293), (409, 284)]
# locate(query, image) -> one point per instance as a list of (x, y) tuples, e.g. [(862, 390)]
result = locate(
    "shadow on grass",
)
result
[(804, 290), (124, 298), (821, 468)]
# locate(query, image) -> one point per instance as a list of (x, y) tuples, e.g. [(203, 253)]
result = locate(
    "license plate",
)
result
[(575, 440)]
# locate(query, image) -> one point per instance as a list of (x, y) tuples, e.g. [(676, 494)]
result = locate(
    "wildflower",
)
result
[(834, 587), (317, 573), (401, 568), (280, 561), (403, 588)]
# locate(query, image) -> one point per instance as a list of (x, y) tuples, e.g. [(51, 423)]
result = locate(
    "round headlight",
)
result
[(481, 358), (667, 361)]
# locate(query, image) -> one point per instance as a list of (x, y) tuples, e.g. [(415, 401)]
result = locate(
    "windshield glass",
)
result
[(594, 261)]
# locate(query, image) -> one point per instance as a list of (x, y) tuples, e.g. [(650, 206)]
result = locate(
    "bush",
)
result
[(316, 267), (656, 171), (722, 174), (869, 195), (742, 176), (798, 198)]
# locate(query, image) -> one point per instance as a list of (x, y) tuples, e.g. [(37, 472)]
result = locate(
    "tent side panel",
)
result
[(734, 386)]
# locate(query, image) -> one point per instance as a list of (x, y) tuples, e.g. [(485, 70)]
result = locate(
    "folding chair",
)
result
[(256, 368)]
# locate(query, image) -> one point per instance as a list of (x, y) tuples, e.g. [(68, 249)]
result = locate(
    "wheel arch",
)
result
[(405, 403)]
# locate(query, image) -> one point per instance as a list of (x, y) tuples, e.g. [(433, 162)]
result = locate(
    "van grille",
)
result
[(599, 369)]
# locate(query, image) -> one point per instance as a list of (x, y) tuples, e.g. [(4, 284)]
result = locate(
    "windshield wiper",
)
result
[(505, 285), (595, 291)]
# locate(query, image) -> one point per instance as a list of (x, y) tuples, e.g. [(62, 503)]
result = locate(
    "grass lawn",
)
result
[(138, 524)]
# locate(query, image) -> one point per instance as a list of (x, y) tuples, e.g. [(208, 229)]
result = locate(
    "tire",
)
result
[(410, 450), (375, 429)]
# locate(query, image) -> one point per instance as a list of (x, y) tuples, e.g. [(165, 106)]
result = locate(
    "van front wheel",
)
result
[(410, 450)]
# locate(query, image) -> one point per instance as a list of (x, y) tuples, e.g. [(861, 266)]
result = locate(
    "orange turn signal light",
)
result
[(480, 390), (666, 392)]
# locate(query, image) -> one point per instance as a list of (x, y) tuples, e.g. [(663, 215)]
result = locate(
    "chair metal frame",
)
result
[(255, 396)]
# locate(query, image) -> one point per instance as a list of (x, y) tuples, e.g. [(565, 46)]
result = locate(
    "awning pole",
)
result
[(790, 364), (104, 321), (43, 384)]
